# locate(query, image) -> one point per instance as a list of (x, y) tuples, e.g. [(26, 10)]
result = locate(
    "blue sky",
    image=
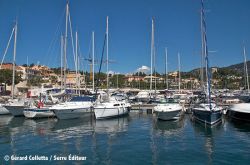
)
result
[(177, 26)]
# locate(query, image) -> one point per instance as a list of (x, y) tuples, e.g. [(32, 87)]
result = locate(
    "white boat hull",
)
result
[(72, 113), (3, 111), (38, 113), (105, 112), (168, 111), (173, 115), (239, 112), (16, 110)]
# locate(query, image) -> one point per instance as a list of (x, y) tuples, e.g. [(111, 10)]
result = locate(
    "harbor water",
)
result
[(135, 139)]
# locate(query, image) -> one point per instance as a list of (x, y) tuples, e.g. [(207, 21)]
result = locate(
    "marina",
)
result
[(124, 82), (126, 140)]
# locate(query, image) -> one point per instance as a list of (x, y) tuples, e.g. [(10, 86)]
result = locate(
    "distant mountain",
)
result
[(239, 68)]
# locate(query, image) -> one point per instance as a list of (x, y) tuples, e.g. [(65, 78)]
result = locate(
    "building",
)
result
[(154, 78), (20, 69), (131, 78), (71, 79)]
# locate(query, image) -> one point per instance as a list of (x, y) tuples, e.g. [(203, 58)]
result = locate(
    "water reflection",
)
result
[(4, 129), (112, 126), (5, 119), (72, 128), (241, 126), (209, 133), (16, 122), (40, 127), (128, 140), (168, 127)]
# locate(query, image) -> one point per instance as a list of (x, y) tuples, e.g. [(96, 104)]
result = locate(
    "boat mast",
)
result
[(246, 70), (166, 67), (205, 50), (107, 38), (14, 61), (65, 44), (62, 61), (152, 53), (154, 74), (93, 61), (77, 66), (179, 68), (202, 53)]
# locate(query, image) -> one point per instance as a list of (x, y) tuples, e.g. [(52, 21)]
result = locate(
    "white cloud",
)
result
[(143, 69)]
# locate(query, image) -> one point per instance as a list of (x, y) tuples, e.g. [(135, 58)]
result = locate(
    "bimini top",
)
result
[(82, 98)]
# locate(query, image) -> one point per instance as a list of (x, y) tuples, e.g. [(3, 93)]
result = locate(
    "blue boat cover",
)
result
[(82, 98)]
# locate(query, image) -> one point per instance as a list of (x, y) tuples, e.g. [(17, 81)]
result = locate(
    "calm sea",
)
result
[(135, 139)]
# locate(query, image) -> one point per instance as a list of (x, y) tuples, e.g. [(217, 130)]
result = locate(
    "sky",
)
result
[(177, 27)]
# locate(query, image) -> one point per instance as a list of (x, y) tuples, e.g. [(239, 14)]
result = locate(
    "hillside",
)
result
[(238, 68)]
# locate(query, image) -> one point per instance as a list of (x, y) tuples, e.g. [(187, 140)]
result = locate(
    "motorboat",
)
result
[(239, 111), (168, 109)]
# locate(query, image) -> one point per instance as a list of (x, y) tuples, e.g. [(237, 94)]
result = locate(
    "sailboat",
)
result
[(78, 106), (111, 107), (208, 112), (15, 106)]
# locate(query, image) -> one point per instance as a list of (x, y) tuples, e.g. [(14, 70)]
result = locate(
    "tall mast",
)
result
[(27, 63), (205, 50), (154, 74), (246, 70), (179, 68), (107, 39), (62, 42), (166, 67), (152, 53), (65, 44), (77, 65), (13, 64), (202, 52), (93, 60)]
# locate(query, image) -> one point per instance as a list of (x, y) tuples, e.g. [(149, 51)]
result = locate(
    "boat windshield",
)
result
[(169, 100), (82, 98)]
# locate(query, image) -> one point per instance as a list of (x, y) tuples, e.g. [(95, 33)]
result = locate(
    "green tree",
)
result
[(35, 81), (119, 78), (6, 76), (31, 65), (53, 79)]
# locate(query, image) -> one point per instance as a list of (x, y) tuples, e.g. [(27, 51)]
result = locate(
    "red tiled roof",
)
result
[(9, 67)]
